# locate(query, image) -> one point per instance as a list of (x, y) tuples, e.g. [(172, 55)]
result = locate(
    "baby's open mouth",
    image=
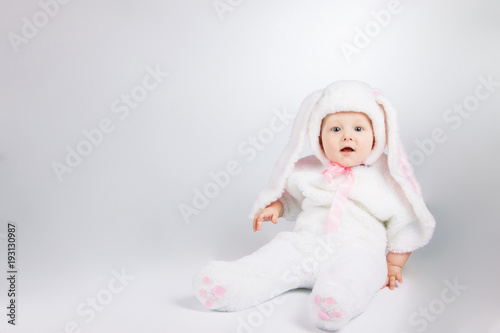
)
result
[(347, 150)]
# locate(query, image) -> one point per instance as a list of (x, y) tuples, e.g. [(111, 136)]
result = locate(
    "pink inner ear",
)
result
[(376, 92), (405, 166)]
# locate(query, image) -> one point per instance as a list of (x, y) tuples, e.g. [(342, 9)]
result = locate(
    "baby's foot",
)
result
[(328, 309), (210, 293)]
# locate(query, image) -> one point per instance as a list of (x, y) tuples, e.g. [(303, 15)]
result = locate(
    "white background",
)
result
[(118, 211)]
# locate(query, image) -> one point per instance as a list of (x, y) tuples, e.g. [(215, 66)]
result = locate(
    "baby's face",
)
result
[(347, 137)]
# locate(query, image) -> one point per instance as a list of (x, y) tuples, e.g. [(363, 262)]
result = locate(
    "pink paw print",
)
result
[(327, 308), (211, 294)]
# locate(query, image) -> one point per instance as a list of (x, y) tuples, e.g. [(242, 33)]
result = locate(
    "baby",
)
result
[(356, 222), (346, 139)]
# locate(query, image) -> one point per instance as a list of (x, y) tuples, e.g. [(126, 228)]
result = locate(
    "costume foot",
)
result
[(327, 308), (329, 312), (210, 293)]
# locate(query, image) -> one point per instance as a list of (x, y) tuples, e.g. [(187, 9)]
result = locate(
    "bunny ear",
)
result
[(290, 155), (402, 171)]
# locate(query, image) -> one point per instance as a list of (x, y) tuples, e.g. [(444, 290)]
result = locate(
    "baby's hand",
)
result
[(394, 273), (395, 263), (270, 213)]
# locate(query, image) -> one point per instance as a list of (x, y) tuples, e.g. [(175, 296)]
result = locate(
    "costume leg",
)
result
[(345, 286), (249, 281)]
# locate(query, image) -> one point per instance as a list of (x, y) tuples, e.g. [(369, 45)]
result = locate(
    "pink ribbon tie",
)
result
[(341, 195)]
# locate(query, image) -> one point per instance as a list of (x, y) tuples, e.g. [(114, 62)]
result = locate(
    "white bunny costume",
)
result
[(346, 219)]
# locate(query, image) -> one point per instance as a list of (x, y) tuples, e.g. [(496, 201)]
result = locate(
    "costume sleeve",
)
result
[(404, 238), (405, 231), (297, 184), (291, 205)]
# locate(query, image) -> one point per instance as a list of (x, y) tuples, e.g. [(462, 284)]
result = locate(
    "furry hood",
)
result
[(348, 96)]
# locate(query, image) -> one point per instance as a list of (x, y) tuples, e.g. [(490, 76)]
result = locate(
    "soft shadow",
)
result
[(190, 303), (302, 317)]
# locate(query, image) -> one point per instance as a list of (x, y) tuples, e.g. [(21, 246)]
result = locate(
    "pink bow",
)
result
[(341, 195)]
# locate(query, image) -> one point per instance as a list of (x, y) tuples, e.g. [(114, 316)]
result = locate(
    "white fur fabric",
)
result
[(376, 214), (360, 97)]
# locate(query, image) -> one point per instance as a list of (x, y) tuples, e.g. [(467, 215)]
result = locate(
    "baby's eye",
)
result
[(335, 129), (358, 128)]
